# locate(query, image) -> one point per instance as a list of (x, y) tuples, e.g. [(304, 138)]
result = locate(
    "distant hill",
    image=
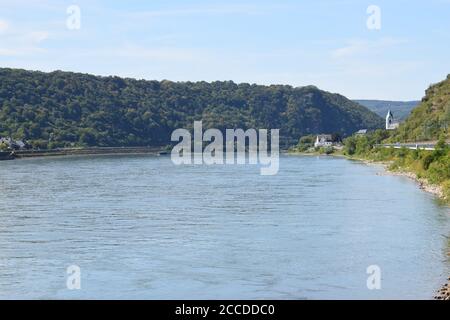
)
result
[(61, 109), (431, 118), (400, 109)]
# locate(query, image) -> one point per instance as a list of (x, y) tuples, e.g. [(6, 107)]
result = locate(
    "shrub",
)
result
[(427, 160)]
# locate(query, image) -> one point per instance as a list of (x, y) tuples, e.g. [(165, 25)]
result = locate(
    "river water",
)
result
[(141, 227)]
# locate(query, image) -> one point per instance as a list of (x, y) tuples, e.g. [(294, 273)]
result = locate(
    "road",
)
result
[(413, 146)]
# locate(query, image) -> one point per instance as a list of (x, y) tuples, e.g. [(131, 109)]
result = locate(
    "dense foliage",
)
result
[(431, 118), (304, 143), (60, 109), (363, 144)]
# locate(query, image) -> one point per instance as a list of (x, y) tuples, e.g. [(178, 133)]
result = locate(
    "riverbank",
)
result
[(6, 155), (423, 183), (19, 154)]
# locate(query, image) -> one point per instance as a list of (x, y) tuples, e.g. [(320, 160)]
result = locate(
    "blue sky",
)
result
[(323, 42)]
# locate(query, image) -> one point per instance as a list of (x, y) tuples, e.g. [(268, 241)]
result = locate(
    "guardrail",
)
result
[(412, 146)]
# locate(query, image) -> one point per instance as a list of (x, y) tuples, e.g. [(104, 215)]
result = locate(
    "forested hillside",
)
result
[(431, 119), (60, 109)]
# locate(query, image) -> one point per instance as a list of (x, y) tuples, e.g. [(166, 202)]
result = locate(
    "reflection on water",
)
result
[(140, 227)]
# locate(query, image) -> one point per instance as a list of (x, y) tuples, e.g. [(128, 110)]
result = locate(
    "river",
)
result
[(138, 226)]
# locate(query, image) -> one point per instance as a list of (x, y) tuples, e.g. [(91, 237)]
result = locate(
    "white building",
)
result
[(14, 144), (361, 132), (390, 123), (323, 140), (6, 141)]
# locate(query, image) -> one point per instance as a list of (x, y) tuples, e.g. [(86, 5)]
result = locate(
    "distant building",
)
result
[(19, 144), (323, 140), (391, 124), (6, 141), (13, 144), (361, 132)]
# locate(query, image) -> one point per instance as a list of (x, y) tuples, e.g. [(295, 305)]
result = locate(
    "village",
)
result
[(7, 143), (333, 141), (8, 146)]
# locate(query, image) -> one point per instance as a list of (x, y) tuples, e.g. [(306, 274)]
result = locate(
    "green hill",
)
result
[(61, 109), (430, 119), (400, 109)]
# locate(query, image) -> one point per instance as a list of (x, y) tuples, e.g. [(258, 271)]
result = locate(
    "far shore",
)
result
[(32, 153), (20, 154)]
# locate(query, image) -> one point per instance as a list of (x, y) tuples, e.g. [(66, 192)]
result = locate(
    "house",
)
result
[(361, 132), (323, 140), (13, 144), (19, 144), (391, 124), (6, 141)]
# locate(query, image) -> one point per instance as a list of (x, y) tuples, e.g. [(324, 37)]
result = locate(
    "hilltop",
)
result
[(61, 109)]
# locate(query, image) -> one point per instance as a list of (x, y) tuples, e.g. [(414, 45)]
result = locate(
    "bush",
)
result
[(3, 146), (39, 144), (439, 170), (427, 160)]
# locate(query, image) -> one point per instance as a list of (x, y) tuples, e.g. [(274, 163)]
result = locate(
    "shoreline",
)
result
[(23, 154), (434, 189), (423, 183), (443, 293)]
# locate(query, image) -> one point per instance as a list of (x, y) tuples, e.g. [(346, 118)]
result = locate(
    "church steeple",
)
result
[(390, 124)]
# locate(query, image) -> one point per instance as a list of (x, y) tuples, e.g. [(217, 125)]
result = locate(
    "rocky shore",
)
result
[(444, 292), (423, 183)]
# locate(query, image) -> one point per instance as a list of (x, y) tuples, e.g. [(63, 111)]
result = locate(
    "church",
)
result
[(391, 124)]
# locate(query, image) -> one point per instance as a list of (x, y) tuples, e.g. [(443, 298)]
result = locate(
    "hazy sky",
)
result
[(323, 43)]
